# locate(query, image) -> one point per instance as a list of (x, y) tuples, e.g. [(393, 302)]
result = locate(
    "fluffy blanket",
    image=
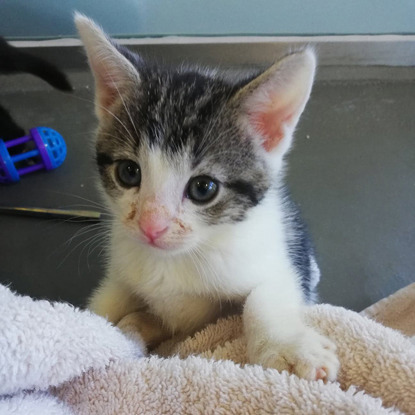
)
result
[(56, 359)]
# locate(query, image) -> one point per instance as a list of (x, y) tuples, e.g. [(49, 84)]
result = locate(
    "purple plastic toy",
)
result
[(49, 153)]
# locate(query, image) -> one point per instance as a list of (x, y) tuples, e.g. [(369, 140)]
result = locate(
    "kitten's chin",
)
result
[(166, 249), (162, 246)]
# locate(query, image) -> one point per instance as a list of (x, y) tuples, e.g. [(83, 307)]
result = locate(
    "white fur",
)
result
[(197, 267)]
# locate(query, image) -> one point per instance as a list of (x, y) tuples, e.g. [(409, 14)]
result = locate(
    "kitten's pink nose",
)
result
[(153, 230), (154, 220)]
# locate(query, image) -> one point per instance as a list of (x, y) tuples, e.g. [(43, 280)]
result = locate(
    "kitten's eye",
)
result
[(128, 173), (202, 189)]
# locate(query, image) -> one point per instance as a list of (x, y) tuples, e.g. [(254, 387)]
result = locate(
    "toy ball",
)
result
[(48, 153)]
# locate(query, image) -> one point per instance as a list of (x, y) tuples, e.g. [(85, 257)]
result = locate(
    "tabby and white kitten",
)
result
[(191, 165)]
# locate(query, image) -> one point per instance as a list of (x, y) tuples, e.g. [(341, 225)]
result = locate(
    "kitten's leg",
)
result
[(145, 328), (113, 300), (181, 315), (277, 337)]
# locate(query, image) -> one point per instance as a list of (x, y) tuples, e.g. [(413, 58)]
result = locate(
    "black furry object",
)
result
[(8, 127), (13, 60)]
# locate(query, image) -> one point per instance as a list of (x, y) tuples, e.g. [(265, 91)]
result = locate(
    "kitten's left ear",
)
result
[(272, 103)]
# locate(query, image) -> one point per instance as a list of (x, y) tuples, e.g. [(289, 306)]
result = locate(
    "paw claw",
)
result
[(321, 373)]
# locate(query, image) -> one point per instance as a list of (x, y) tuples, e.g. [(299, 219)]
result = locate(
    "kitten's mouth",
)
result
[(159, 244), (156, 243)]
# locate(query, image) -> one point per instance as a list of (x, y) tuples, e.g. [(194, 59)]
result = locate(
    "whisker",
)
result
[(125, 107), (201, 256), (109, 112), (73, 250), (95, 240), (82, 231)]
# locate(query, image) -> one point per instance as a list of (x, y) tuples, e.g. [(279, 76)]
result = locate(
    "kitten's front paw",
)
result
[(312, 356), (144, 328), (128, 325)]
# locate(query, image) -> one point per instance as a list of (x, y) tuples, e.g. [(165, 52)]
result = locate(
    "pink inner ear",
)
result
[(270, 124), (107, 96), (106, 78)]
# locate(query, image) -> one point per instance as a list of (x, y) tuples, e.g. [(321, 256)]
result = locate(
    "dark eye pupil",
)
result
[(128, 173), (202, 189), (131, 171)]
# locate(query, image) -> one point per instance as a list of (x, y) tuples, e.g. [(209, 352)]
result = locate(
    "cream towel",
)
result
[(396, 311)]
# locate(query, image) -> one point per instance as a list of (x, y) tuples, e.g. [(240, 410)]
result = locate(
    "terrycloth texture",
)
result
[(33, 404), (396, 311), (95, 370), (198, 386), (374, 358), (44, 344)]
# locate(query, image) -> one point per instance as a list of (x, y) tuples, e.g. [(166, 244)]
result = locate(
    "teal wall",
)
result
[(53, 18)]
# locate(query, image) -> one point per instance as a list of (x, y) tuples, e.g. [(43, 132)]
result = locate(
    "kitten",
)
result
[(192, 166), (13, 60)]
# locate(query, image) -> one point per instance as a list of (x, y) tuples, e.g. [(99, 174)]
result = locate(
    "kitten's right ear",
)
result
[(113, 72)]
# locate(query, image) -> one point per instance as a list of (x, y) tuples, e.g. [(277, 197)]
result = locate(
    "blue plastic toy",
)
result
[(49, 153)]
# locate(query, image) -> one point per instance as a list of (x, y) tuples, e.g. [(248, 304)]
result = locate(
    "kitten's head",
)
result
[(181, 152)]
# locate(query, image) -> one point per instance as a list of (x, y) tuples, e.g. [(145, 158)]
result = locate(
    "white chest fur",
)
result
[(238, 259)]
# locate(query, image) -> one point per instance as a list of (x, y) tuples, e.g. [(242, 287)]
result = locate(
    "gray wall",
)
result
[(53, 18)]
